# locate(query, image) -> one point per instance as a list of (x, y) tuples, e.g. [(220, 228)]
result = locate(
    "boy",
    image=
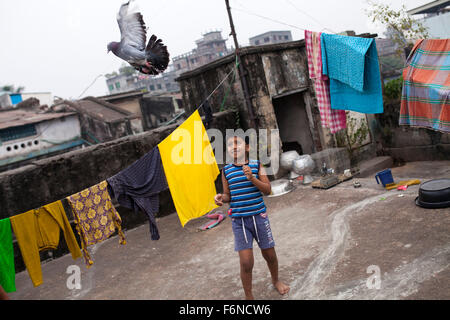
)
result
[(244, 181)]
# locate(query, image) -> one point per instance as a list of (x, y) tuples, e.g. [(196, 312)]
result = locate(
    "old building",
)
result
[(151, 110), (281, 93), (271, 37), (135, 81), (27, 136), (102, 121), (9, 99), (158, 110), (209, 48)]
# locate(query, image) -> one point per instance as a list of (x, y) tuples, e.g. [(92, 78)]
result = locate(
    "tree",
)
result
[(12, 88), (352, 137), (400, 27)]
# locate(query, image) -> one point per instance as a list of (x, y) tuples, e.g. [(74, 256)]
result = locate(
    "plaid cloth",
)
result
[(95, 217), (426, 86), (335, 120)]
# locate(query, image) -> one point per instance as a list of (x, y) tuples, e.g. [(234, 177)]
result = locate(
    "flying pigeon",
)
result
[(151, 59)]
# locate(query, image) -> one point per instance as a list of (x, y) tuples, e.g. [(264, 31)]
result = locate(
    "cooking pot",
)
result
[(280, 187)]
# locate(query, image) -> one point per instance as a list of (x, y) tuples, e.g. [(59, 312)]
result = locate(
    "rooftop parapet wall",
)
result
[(55, 178)]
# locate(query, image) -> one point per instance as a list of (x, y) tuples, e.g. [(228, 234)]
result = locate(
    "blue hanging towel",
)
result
[(351, 63)]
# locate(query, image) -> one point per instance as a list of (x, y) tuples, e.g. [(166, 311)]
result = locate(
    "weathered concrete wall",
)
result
[(405, 143), (56, 178)]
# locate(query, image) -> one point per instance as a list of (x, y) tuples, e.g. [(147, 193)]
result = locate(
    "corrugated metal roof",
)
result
[(15, 118)]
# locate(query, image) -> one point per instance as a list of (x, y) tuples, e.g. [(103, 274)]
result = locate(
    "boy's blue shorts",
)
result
[(244, 232)]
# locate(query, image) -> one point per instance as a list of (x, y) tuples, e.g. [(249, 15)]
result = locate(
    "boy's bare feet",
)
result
[(281, 287)]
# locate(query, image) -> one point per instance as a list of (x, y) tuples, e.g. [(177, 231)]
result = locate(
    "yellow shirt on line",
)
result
[(39, 230)]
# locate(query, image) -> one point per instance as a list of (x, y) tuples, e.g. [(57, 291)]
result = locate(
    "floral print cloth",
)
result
[(95, 216)]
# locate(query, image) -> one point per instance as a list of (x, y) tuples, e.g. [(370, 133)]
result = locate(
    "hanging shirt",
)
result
[(335, 120), (7, 270), (138, 187), (95, 217), (190, 168), (426, 86), (246, 199), (351, 63), (39, 230)]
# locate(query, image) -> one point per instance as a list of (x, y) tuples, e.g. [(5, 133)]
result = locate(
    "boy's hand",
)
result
[(218, 199), (248, 172)]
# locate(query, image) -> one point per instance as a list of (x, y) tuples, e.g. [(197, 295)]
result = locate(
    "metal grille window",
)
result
[(19, 132)]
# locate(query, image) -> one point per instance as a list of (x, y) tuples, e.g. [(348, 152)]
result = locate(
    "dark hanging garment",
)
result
[(208, 114), (138, 186)]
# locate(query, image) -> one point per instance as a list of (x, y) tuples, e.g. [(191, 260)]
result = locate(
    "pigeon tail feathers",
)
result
[(156, 53)]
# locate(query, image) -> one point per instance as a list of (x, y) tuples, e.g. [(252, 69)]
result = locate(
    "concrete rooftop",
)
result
[(325, 241)]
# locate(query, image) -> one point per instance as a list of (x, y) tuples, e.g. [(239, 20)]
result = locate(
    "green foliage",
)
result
[(391, 62), (393, 89), (400, 26), (111, 75), (127, 70), (353, 136), (12, 88)]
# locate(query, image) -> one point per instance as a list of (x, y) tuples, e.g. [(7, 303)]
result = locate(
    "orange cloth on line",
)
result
[(38, 230)]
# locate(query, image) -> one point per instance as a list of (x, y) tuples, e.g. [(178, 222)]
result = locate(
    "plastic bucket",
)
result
[(385, 177)]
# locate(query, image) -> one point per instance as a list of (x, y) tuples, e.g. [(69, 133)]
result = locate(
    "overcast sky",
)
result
[(59, 46)]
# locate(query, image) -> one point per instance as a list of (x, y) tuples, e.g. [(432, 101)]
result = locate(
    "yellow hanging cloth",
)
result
[(190, 168), (39, 230)]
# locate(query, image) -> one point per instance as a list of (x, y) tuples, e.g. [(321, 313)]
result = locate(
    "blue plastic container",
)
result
[(385, 177)]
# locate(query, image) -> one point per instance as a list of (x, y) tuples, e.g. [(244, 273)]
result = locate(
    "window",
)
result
[(286, 37), (178, 66), (280, 38), (19, 132), (256, 42), (159, 86), (111, 87), (117, 85), (267, 39), (152, 87)]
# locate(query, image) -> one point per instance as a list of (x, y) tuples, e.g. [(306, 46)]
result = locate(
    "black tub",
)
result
[(434, 194)]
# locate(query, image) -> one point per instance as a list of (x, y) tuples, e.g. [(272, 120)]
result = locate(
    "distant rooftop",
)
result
[(431, 7), (15, 118), (121, 95), (269, 32), (100, 109)]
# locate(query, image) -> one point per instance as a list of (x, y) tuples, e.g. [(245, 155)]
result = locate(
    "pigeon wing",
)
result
[(132, 28)]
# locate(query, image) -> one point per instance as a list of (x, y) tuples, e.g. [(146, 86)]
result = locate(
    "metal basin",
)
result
[(280, 187), (434, 194)]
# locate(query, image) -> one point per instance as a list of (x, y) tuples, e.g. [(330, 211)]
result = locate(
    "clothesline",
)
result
[(299, 28), (220, 84)]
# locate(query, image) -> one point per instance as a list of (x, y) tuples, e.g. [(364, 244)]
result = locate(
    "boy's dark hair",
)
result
[(243, 137)]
